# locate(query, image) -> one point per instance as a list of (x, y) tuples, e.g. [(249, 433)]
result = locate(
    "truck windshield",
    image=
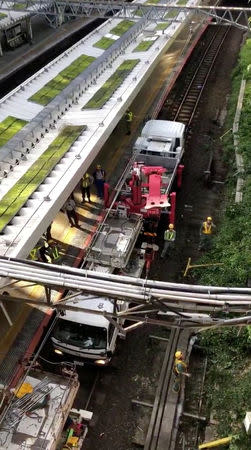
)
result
[(80, 335)]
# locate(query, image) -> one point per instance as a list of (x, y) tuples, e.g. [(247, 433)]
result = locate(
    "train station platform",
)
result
[(74, 241), (44, 39)]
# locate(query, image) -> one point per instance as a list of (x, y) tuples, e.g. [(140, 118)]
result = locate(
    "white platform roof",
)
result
[(19, 237), (12, 17)]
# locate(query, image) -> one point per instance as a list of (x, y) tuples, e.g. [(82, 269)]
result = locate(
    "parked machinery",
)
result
[(116, 247)]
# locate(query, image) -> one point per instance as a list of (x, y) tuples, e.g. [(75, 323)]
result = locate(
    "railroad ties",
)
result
[(168, 404)]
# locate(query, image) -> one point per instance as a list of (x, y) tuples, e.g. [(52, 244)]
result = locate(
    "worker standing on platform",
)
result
[(206, 231), (86, 182), (128, 118), (99, 180), (69, 207), (169, 240)]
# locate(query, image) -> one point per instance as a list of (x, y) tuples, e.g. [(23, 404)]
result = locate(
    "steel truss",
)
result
[(235, 16), (179, 305)]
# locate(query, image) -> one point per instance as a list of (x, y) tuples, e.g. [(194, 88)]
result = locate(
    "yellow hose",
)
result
[(212, 444)]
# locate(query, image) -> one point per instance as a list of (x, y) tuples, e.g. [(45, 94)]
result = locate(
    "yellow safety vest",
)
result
[(129, 116), (34, 254), (86, 182), (180, 366), (207, 228)]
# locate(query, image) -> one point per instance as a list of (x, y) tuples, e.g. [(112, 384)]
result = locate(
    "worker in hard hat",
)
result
[(86, 183), (99, 180), (128, 118), (169, 240), (179, 369), (207, 230)]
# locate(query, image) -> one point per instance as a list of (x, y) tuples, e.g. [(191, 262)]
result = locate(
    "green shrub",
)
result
[(110, 86), (51, 89), (18, 195), (171, 14), (143, 46), (228, 382), (122, 27), (233, 241), (19, 6), (9, 127), (163, 26), (104, 43)]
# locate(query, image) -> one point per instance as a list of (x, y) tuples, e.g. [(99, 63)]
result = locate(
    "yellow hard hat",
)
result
[(171, 226), (178, 354), (209, 218)]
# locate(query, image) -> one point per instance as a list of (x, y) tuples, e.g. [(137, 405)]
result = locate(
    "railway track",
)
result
[(162, 428), (183, 106), (162, 432), (194, 417), (183, 110)]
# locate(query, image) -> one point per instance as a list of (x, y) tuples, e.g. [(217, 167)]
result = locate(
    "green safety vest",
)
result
[(54, 253), (34, 254), (169, 235)]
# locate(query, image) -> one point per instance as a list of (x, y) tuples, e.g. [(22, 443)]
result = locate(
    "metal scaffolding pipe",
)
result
[(118, 289), (55, 278), (124, 279)]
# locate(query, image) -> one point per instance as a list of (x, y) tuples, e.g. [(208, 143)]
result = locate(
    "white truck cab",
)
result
[(161, 143), (85, 335)]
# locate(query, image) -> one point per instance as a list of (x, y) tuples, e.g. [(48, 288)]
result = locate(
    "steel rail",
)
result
[(154, 427), (190, 98)]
